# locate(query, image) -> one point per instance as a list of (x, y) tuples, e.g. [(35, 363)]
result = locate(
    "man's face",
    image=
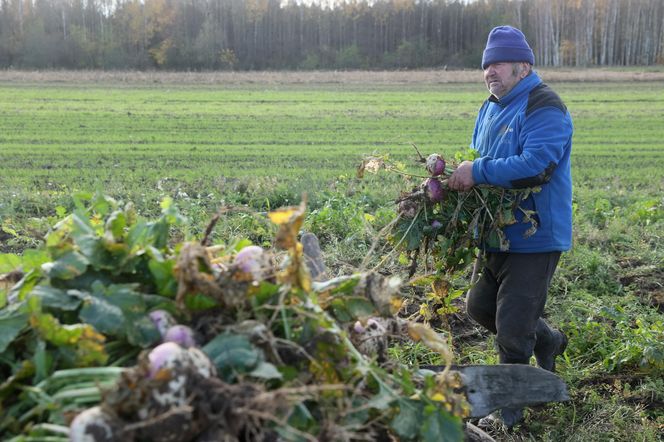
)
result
[(500, 78)]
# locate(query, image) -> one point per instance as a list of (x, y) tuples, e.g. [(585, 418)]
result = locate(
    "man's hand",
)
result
[(462, 178)]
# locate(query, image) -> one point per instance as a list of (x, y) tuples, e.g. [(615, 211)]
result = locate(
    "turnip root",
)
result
[(434, 190), (251, 260), (435, 164), (173, 366), (182, 335), (94, 425)]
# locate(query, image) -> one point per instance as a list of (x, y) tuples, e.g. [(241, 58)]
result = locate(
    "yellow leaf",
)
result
[(283, 215), (438, 397)]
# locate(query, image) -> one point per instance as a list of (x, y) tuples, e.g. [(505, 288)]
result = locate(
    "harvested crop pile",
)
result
[(133, 338)]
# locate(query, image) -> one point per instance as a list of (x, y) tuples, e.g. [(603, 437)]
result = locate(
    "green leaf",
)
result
[(198, 302), (9, 262), (232, 353), (55, 298), (116, 224), (301, 417), (409, 419), (68, 266), (22, 288), (242, 244), (43, 360), (142, 332), (265, 370), (33, 259), (103, 316), (102, 204), (119, 310), (440, 426), (11, 326), (60, 211), (383, 400), (164, 277)]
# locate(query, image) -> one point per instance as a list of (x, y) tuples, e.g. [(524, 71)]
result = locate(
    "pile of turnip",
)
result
[(188, 342)]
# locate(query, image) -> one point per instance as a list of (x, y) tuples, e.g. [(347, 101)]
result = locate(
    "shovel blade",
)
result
[(491, 387)]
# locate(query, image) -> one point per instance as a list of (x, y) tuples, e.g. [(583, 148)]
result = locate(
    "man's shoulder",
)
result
[(543, 96)]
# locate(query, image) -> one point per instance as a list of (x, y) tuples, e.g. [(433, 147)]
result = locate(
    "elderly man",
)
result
[(524, 136)]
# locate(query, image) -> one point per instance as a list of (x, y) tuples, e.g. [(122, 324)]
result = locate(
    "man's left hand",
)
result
[(462, 178)]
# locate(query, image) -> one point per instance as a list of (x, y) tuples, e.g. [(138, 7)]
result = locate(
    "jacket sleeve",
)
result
[(542, 140)]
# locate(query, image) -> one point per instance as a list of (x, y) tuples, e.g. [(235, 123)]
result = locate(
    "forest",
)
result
[(187, 35)]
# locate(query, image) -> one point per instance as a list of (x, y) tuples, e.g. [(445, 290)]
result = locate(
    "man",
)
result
[(524, 135)]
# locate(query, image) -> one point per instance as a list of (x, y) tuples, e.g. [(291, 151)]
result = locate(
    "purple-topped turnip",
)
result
[(435, 164), (251, 260), (434, 190), (181, 334)]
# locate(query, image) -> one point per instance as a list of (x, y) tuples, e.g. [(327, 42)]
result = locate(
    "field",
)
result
[(259, 142)]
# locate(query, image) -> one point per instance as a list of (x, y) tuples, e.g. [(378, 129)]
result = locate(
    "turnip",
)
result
[(172, 356), (434, 190), (182, 335), (435, 164), (162, 320), (358, 327), (166, 355), (408, 208), (250, 260), (172, 367), (94, 425)]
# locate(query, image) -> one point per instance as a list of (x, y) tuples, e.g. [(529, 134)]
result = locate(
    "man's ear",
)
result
[(527, 67)]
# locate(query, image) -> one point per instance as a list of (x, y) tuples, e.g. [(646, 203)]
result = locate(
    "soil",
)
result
[(645, 281)]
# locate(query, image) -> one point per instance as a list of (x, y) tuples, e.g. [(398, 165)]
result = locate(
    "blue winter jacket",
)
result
[(525, 140)]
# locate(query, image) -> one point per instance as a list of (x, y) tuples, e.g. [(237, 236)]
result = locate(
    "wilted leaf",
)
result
[(371, 165), (421, 332), (87, 345), (289, 220), (382, 291)]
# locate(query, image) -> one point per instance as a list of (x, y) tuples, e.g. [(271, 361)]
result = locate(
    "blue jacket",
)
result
[(525, 140)]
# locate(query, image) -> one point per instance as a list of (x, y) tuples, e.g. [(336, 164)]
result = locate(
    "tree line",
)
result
[(350, 34)]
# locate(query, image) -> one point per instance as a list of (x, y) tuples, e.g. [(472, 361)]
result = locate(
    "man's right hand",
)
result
[(462, 178)]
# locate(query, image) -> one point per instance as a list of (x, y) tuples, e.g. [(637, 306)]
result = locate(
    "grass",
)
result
[(259, 141)]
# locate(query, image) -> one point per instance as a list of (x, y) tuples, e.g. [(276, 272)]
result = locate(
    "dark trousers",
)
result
[(509, 301)]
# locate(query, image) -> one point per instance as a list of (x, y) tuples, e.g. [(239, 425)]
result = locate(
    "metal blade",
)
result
[(491, 387)]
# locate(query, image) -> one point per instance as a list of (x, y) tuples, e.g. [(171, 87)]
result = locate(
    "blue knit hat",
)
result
[(505, 44)]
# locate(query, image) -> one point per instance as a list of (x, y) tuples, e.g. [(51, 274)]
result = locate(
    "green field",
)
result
[(259, 146)]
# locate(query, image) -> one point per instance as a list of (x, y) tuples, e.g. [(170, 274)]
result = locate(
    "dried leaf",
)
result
[(289, 220), (371, 165), (421, 332)]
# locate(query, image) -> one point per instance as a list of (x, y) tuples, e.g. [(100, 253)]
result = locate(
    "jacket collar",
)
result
[(524, 86)]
